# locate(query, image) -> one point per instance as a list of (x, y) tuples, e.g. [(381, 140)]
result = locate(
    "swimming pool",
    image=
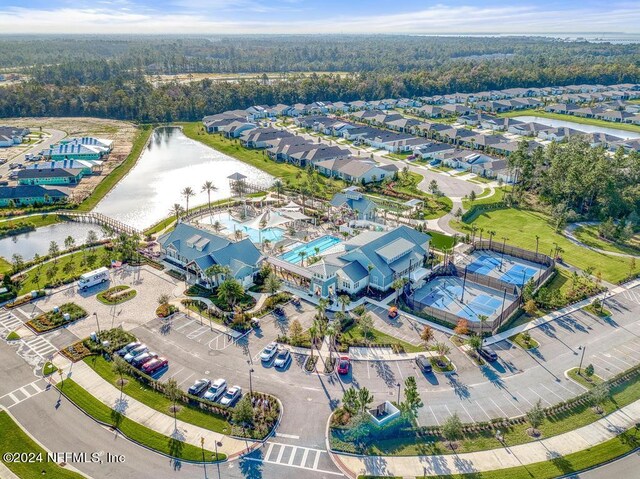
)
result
[(311, 248), (230, 224)]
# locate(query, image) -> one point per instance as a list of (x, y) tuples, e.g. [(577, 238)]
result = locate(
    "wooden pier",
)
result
[(100, 219)]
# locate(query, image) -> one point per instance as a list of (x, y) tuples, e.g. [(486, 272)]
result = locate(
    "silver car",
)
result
[(231, 396), (135, 352), (216, 390)]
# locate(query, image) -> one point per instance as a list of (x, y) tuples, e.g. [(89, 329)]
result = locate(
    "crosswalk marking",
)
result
[(9, 322), (38, 345), (292, 460), (21, 394)]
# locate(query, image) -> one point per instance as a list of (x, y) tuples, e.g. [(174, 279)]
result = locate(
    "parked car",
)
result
[(282, 359), (216, 390), (269, 352), (199, 386), (423, 363), (155, 365), (343, 365), (137, 362), (296, 301), (231, 396), (393, 312), (488, 354), (125, 349), (279, 312), (135, 352)]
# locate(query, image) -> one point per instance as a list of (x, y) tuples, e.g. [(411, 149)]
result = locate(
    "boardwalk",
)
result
[(100, 219)]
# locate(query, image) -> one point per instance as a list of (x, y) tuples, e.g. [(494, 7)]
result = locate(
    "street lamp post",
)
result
[(581, 358), (504, 244), (399, 385), (250, 381), (217, 444), (97, 322)]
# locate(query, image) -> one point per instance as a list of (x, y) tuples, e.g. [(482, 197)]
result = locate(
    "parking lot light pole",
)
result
[(250, 382), (504, 244), (399, 385), (97, 322), (217, 443), (581, 358)]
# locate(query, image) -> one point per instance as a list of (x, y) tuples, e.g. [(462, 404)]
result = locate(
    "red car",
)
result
[(343, 365), (155, 365)]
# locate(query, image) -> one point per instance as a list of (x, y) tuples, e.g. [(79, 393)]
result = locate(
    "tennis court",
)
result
[(445, 293), (506, 268)]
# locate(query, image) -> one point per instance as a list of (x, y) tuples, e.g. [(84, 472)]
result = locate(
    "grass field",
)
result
[(133, 430), (519, 340), (520, 227), (582, 378), (287, 172), (14, 439), (63, 269), (354, 335), (5, 266), (157, 400), (588, 234), (484, 199), (575, 119), (440, 241), (118, 173)]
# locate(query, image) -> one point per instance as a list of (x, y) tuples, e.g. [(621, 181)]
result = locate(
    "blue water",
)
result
[(230, 225), (323, 243)]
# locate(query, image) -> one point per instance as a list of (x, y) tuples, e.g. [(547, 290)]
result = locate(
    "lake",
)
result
[(28, 244), (579, 126), (171, 162)]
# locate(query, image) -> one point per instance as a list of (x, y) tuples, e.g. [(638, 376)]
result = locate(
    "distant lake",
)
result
[(171, 162), (579, 126), (28, 244)]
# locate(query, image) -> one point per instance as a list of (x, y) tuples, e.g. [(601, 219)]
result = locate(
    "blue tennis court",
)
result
[(518, 275)]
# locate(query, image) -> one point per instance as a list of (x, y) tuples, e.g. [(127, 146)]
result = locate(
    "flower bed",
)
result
[(165, 310), (27, 298), (55, 319), (175, 274), (116, 295), (76, 351)]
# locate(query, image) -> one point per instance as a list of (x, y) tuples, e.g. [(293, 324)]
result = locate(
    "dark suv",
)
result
[(423, 363), (488, 354)]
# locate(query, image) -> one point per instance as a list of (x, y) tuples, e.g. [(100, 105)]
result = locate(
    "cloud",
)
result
[(254, 16)]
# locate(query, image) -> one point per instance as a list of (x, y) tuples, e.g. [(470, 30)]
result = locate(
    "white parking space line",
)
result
[(304, 457), (281, 453), (541, 397), (553, 392), (198, 332), (188, 323), (434, 416), (616, 358), (268, 453), (448, 410), (600, 358), (504, 414), (630, 351), (186, 379), (465, 410), (524, 398), (293, 455), (176, 373), (288, 436), (483, 410), (399, 370), (513, 402)]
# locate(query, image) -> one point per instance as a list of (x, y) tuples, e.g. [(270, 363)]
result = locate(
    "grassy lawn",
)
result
[(599, 311), (519, 340), (560, 466), (287, 172), (589, 236), (521, 228), (5, 266), (116, 295), (170, 220), (13, 336), (36, 220), (354, 336), (583, 379), (14, 439), (67, 268), (119, 172), (483, 199), (158, 401), (49, 368), (440, 241), (575, 119), (561, 422), (399, 156), (133, 430)]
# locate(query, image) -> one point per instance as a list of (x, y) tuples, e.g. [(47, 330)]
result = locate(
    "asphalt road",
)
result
[(625, 468)]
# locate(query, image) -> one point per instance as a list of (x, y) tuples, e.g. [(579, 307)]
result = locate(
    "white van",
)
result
[(92, 278)]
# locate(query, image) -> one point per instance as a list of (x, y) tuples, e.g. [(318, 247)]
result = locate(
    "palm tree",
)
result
[(321, 308), (217, 226), (176, 210), (344, 301), (364, 399), (119, 367), (398, 285), (491, 235), (208, 187), (302, 254), (187, 193), (313, 334), (230, 291), (474, 342), (483, 319), (277, 185), (173, 392), (332, 331)]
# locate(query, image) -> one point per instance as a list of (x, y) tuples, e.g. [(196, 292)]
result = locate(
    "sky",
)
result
[(564, 18)]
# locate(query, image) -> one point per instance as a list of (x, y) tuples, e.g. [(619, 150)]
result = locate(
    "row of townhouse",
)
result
[(631, 113), (12, 135), (577, 93)]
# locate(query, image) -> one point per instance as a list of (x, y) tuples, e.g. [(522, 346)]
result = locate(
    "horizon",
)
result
[(300, 17)]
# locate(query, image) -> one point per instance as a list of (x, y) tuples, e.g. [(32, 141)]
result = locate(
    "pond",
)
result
[(28, 244), (579, 126), (171, 162)]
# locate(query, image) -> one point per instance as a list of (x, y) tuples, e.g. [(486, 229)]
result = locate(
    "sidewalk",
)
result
[(88, 379), (538, 451), (560, 313)]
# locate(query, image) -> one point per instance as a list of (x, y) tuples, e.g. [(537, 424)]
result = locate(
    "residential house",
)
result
[(355, 170), (11, 135), (562, 108), (353, 200), (236, 128), (193, 250), (434, 151), (615, 115), (260, 137), (314, 153), (527, 129), (25, 195), (456, 110), (429, 111), (558, 134), (403, 125)]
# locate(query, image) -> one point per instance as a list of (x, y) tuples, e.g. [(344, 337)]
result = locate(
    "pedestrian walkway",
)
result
[(383, 354), (133, 409), (298, 457), (8, 322), (512, 456)]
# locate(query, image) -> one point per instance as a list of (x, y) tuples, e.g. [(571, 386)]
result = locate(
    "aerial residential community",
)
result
[(283, 251)]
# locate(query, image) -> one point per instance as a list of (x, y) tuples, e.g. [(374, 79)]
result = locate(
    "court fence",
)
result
[(503, 287)]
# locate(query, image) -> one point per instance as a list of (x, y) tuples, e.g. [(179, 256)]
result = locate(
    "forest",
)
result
[(107, 76)]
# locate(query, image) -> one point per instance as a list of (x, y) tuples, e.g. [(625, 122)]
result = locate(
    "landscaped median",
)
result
[(56, 318), (116, 295), (170, 446)]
